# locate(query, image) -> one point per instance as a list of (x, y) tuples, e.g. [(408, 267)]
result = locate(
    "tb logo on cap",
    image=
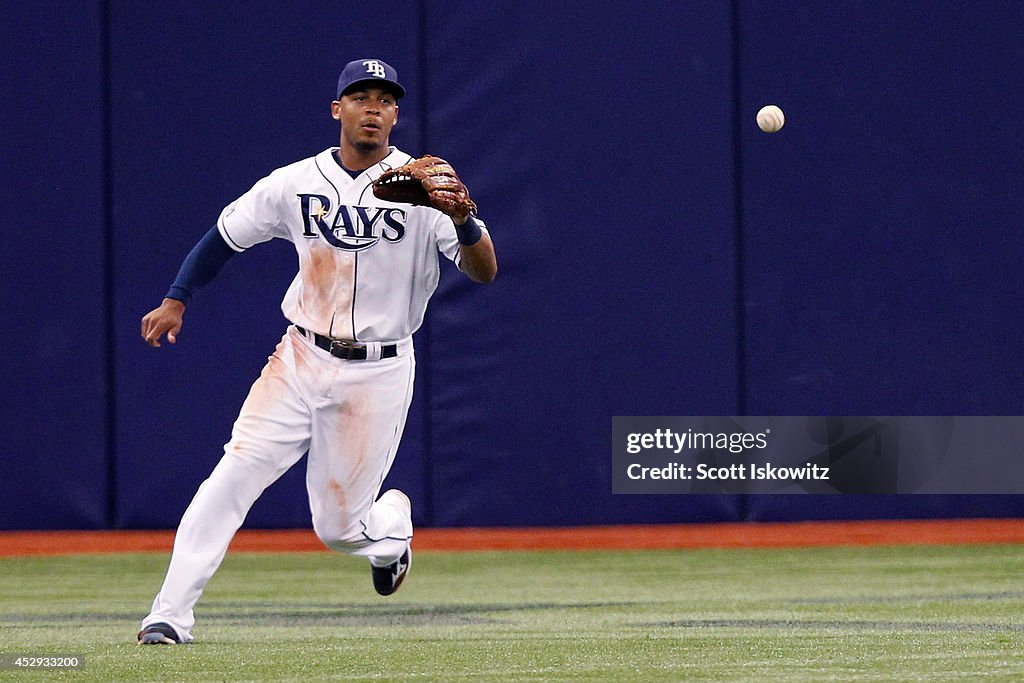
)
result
[(376, 68)]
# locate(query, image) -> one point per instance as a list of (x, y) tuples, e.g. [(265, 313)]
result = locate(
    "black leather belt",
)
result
[(340, 348)]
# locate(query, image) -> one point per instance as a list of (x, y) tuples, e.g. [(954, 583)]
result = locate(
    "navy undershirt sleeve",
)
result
[(201, 266)]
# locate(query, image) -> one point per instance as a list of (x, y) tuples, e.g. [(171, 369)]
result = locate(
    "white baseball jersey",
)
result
[(366, 267)]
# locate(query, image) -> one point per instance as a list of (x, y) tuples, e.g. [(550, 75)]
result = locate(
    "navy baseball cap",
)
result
[(370, 70)]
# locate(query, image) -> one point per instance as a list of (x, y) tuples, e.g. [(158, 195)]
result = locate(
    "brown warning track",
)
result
[(741, 535)]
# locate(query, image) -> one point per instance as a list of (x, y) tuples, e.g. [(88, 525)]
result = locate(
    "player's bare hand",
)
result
[(164, 319)]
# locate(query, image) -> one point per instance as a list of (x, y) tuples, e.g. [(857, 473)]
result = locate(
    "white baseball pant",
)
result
[(349, 415)]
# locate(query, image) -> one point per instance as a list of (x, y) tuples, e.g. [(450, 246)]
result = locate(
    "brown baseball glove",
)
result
[(427, 181)]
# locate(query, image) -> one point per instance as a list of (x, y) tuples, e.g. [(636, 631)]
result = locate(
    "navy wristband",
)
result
[(469, 233)]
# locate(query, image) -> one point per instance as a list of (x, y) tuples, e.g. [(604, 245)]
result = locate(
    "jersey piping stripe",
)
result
[(355, 290), (337, 197), (355, 272), (232, 243), (337, 192), (355, 269)]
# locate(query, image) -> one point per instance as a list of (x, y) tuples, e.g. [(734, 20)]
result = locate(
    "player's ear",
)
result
[(336, 110), (396, 116)]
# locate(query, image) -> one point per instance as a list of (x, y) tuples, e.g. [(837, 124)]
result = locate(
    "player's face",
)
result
[(366, 116)]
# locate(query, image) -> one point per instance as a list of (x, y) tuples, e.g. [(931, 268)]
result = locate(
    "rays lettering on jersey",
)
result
[(354, 228)]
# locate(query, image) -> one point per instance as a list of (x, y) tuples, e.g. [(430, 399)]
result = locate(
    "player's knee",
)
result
[(340, 538)]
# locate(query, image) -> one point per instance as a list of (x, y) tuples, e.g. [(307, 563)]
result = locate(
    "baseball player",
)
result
[(340, 381)]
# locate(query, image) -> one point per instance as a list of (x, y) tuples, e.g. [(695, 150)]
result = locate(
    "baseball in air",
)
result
[(770, 119)]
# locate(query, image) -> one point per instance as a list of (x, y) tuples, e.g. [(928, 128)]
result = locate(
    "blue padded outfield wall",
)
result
[(658, 254)]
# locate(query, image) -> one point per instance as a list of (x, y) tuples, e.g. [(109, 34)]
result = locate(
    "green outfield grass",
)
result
[(836, 614)]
